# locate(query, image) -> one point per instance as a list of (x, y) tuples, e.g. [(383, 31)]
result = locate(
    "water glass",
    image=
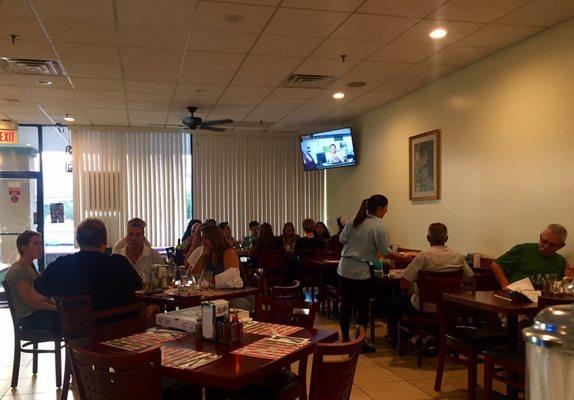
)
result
[(205, 280)]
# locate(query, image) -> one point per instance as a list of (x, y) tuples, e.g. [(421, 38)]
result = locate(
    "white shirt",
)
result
[(436, 259), (147, 258)]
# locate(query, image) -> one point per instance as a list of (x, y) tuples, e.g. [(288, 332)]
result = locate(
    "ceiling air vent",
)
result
[(24, 66), (308, 81)]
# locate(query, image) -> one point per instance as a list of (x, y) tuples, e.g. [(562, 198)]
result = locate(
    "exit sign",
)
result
[(8, 136)]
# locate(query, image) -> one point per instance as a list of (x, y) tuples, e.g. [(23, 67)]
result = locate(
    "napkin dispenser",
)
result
[(212, 312)]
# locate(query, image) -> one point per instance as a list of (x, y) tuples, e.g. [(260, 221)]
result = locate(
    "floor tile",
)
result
[(399, 390)]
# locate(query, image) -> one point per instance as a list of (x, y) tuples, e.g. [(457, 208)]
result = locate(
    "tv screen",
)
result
[(330, 149)]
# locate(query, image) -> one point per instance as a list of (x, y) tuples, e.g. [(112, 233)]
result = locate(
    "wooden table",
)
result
[(171, 302)]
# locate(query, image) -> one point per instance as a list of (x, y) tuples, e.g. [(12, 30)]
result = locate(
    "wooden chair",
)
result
[(504, 365), (308, 274), (31, 338), (431, 285), (285, 311), (287, 292), (334, 368), (272, 263), (119, 375), (254, 277)]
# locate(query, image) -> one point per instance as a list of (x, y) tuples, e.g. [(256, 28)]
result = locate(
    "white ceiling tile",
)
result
[(51, 92), (154, 74), (402, 85), (112, 112), (26, 27), (219, 41), (476, 11), (210, 16), (369, 81), (152, 97), (407, 53), (499, 35), (15, 7), (10, 109), (373, 27), (110, 120), (321, 66), (200, 89), (100, 10), (147, 114), (33, 49), (404, 8), (87, 53), (147, 106), (294, 93), (203, 103), (212, 61), (329, 5), (12, 91), (97, 84), (206, 76), (253, 2), (236, 113), (37, 118), (6, 79), (240, 101), (80, 31), (376, 97), (153, 87), (249, 91), (168, 13), (419, 34), (100, 95), (153, 58), (352, 49), (323, 102), (309, 112), (90, 70), (373, 69), (159, 37), (296, 22), (105, 104), (327, 95), (429, 71), (540, 13), (72, 103), (460, 55), (281, 103), (290, 46), (59, 112), (267, 114), (257, 79), (32, 81), (270, 64)]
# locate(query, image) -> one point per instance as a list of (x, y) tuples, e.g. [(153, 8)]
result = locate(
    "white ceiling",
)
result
[(142, 62)]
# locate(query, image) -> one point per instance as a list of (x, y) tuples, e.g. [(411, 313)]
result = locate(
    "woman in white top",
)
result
[(364, 239)]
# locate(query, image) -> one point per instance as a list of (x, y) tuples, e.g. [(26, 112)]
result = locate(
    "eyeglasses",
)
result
[(547, 243)]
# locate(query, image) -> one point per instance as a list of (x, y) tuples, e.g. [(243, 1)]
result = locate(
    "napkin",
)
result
[(524, 287), (229, 279)]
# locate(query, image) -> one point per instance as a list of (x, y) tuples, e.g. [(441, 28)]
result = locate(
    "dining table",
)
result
[(169, 299)]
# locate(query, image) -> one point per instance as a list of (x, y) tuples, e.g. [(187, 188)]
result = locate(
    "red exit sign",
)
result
[(8, 136)]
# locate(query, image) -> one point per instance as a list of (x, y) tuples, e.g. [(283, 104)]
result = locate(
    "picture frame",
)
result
[(424, 166)]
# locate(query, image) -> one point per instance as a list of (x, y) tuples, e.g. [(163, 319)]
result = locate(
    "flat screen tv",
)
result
[(330, 149)]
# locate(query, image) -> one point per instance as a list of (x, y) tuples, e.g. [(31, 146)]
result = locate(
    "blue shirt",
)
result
[(360, 245)]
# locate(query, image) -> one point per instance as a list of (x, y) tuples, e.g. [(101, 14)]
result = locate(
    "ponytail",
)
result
[(369, 206)]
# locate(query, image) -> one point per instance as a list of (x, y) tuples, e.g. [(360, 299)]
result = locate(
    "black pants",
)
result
[(355, 294), (43, 320)]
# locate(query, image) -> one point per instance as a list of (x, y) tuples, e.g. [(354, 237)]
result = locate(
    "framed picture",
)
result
[(424, 166)]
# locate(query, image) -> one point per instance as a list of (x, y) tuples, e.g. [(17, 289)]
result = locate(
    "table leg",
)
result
[(512, 337)]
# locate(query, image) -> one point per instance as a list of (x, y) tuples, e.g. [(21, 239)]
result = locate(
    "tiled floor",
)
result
[(380, 376)]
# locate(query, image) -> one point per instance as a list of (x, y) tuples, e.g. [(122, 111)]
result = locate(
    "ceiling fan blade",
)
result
[(218, 122), (211, 128)]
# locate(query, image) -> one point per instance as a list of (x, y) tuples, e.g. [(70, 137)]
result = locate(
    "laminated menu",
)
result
[(272, 348), (178, 357), (143, 340), (268, 329)]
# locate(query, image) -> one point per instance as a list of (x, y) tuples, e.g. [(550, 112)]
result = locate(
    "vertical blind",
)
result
[(242, 178), (119, 175)]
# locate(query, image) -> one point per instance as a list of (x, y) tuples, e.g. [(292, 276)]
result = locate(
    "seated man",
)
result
[(308, 244), (110, 280), (531, 259), (438, 258), (253, 235), (140, 254)]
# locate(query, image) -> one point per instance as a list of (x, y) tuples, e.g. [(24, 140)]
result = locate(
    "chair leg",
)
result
[(440, 364), (67, 378), (471, 374), (372, 322), (16, 363), (488, 371), (400, 348), (58, 360), (419, 345), (35, 359)]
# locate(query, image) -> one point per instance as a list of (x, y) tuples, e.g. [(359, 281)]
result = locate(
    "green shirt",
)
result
[(19, 273), (524, 260)]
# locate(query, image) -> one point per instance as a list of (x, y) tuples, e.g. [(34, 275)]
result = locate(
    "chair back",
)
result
[(334, 366), (254, 277), (75, 313), (285, 311), (288, 292), (272, 263), (118, 375), (545, 301), (119, 321), (431, 286), (10, 300)]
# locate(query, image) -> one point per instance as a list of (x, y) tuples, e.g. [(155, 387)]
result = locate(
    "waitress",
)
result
[(363, 239)]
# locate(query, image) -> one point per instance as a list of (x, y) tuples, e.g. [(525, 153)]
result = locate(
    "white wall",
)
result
[(507, 127)]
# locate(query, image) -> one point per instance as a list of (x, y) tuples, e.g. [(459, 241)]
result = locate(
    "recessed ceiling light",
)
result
[(12, 101), (233, 18), (5, 58), (28, 144), (69, 119), (338, 95), (438, 33), (43, 82)]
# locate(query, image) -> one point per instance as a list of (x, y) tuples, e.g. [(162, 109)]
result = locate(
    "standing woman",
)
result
[(362, 238)]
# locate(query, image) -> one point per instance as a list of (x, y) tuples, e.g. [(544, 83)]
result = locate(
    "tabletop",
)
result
[(487, 300), (204, 295)]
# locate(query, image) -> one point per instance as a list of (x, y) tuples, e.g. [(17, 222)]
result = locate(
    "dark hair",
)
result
[(190, 224), (369, 205), (222, 225), (216, 237), (340, 225), (308, 225), (91, 233), (136, 223), (437, 233), (287, 225), (266, 238), (253, 224), (326, 234), (24, 239), (211, 221)]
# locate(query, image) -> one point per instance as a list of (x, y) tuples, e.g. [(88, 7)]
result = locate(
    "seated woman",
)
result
[(265, 242), (289, 236), (322, 232), (194, 249), (33, 310)]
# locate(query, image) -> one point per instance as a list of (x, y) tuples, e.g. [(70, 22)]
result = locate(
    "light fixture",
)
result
[(5, 58), (43, 82), (9, 101), (69, 119), (338, 95), (233, 18), (438, 33), (28, 144)]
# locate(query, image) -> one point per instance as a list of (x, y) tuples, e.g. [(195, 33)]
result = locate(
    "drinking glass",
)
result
[(205, 280)]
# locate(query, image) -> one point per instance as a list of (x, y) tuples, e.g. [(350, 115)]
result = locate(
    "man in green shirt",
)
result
[(531, 259)]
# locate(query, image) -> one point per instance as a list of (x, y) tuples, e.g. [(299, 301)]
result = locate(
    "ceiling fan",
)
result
[(198, 123)]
